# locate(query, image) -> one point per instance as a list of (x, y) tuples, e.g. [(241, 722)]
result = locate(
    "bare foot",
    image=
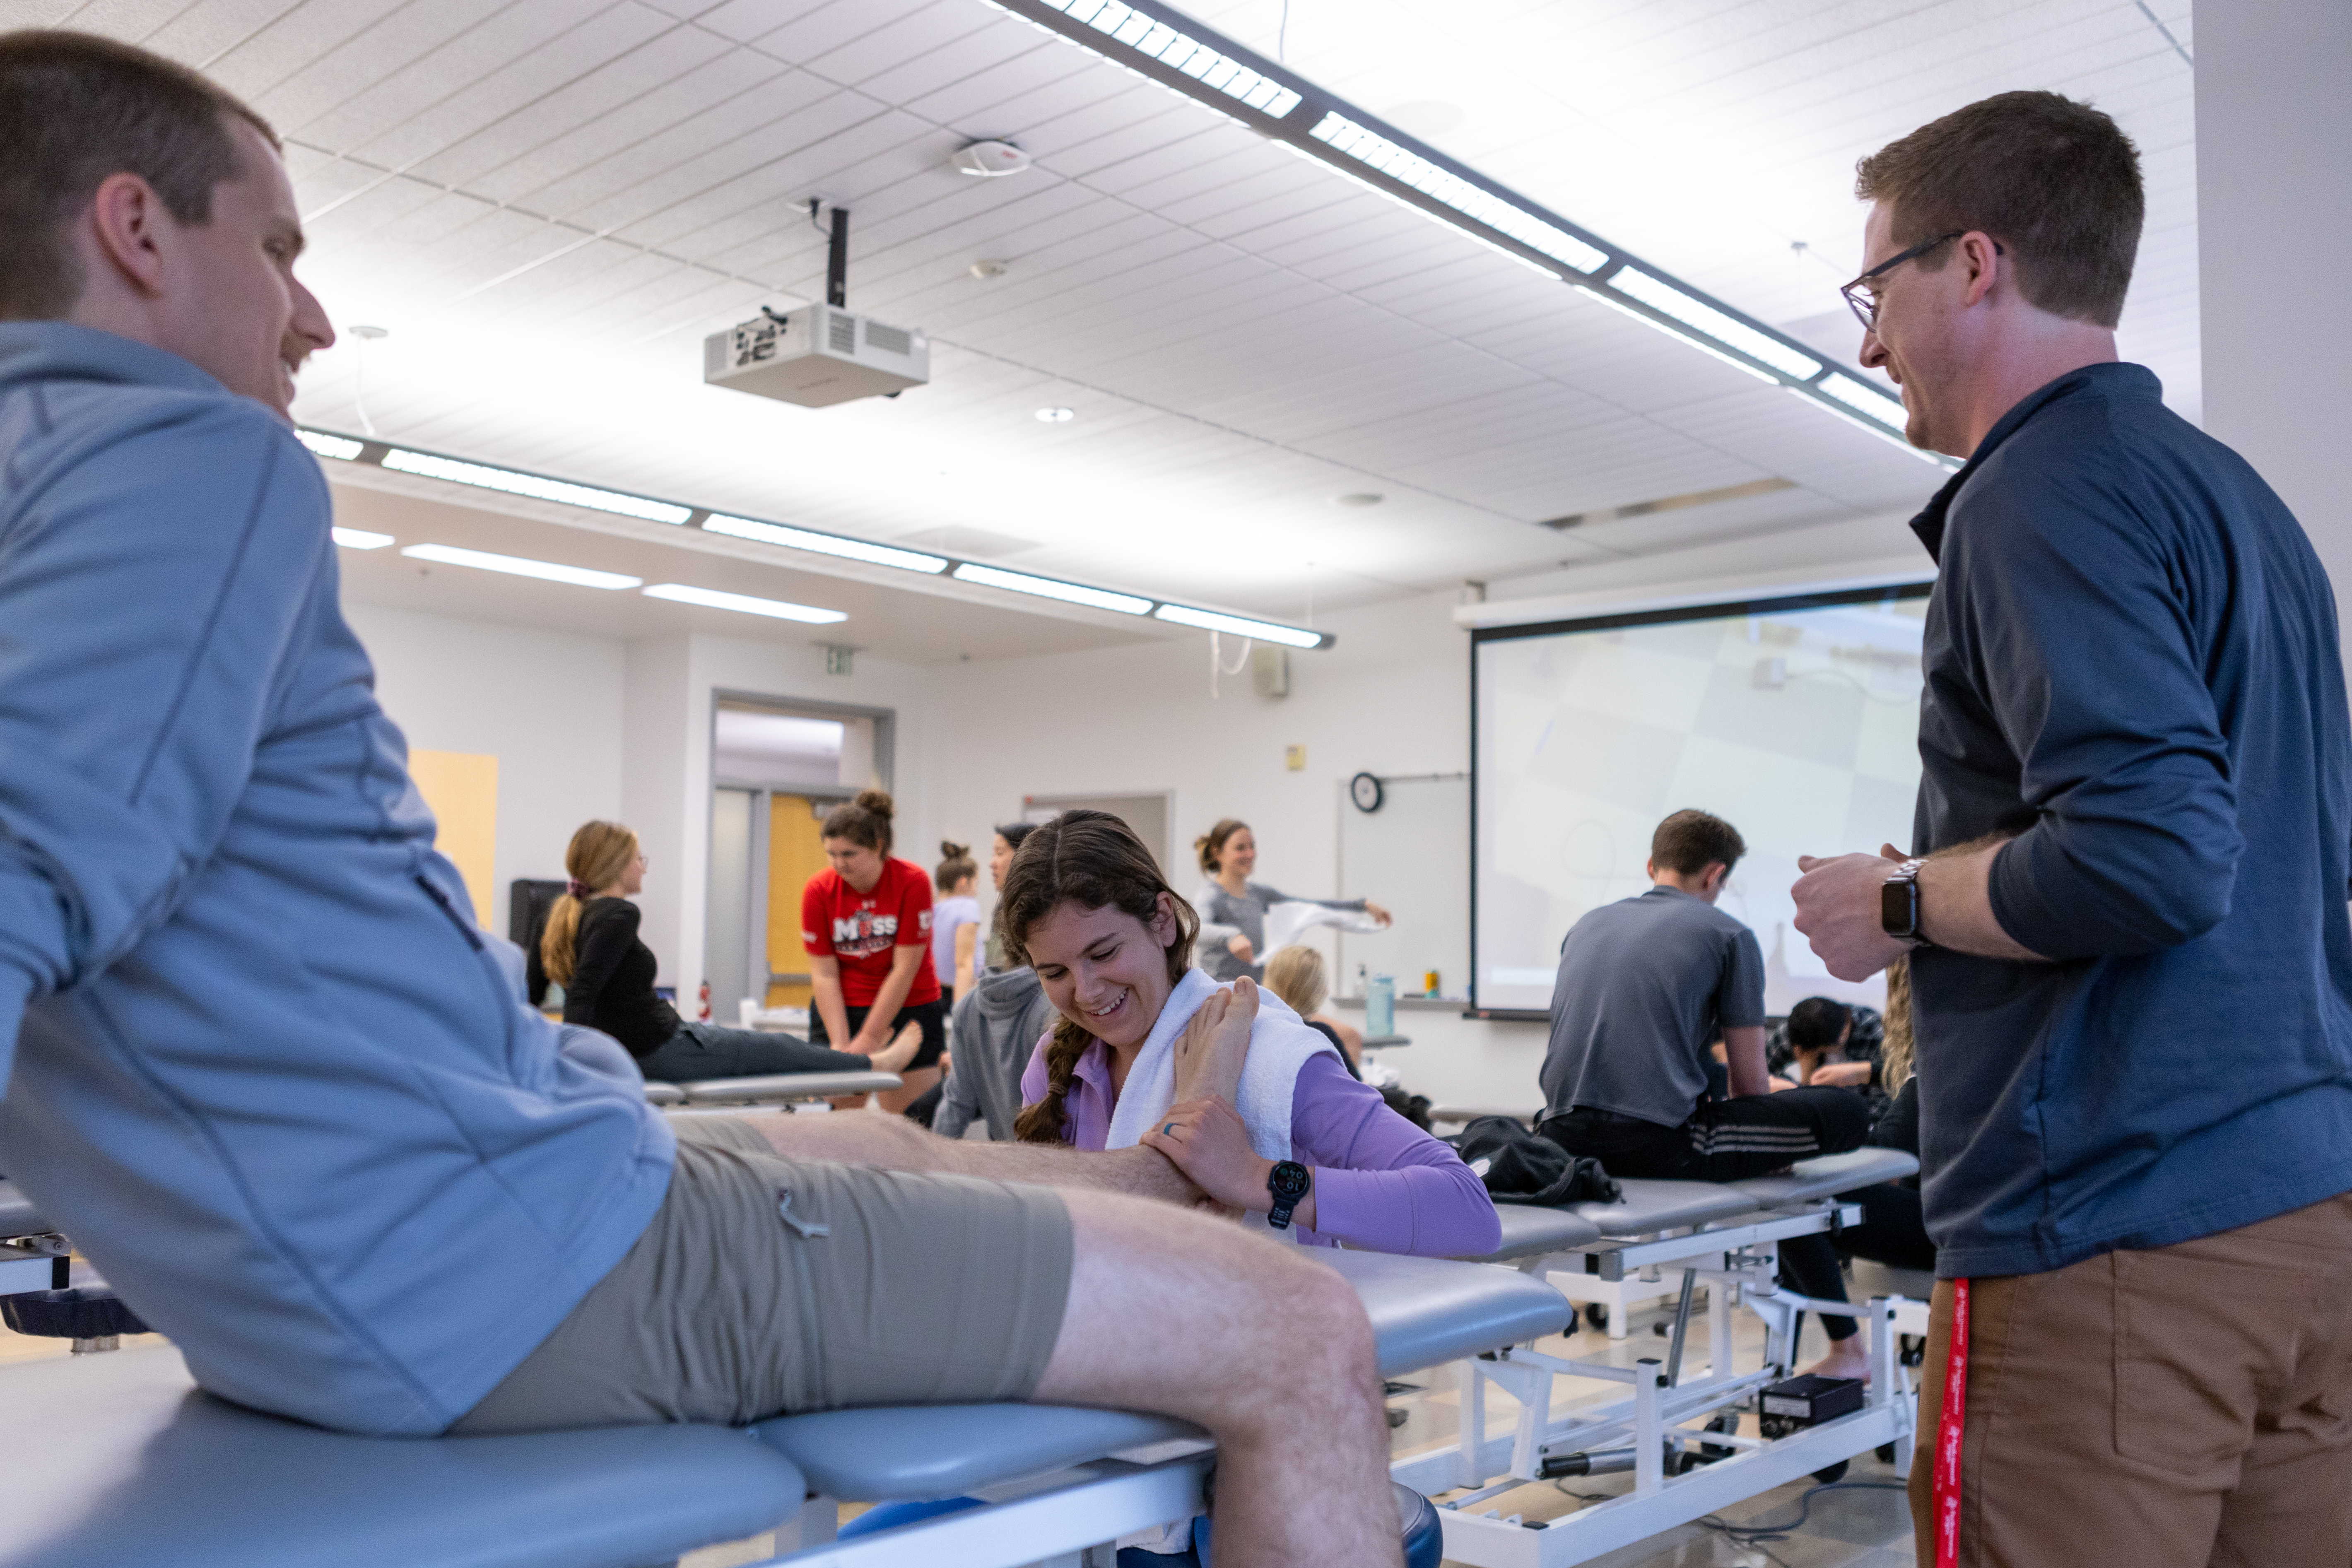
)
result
[(1848, 1357), (1214, 1045), (900, 1051)]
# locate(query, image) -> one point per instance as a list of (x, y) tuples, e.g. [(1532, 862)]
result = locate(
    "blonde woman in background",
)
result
[(1296, 973), (592, 949)]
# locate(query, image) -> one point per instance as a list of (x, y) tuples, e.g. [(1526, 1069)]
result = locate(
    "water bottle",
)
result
[(1380, 1006)]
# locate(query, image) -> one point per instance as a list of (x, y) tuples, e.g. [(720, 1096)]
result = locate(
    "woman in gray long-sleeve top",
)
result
[(1233, 908)]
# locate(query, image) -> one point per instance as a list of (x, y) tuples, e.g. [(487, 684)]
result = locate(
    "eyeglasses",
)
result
[(1863, 298)]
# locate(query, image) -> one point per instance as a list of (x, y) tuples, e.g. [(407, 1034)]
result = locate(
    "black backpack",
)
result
[(1521, 1168)]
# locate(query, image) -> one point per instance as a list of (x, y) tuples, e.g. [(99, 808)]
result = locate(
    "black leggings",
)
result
[(1893, 1231), (700, 1051), (1732, 1141)]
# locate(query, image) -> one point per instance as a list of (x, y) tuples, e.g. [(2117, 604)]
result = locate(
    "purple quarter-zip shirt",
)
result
[(1380, 1183)]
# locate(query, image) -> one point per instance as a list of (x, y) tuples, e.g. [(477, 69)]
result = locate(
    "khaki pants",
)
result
[(2172, 1408)]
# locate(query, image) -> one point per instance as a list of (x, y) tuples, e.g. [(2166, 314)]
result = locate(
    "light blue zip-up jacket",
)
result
[(265, 1071)]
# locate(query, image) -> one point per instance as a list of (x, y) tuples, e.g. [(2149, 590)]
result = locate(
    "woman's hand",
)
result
[(1216, 1043), (1208, 1141), (1379, 913), (1240, 948)]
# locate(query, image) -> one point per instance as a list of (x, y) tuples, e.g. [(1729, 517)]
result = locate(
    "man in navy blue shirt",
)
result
[(2133, 833)]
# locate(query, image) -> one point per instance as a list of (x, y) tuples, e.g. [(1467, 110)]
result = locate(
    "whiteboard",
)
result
[(1412, 857)]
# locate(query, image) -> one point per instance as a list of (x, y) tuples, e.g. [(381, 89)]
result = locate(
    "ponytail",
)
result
[(598, 856), (1211, 846)]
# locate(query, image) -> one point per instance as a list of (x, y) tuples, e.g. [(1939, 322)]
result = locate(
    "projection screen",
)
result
[(1796, 720)]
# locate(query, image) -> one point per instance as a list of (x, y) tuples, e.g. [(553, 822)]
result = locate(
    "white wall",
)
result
[(2273, 118), (1391, 698), (548, 705)]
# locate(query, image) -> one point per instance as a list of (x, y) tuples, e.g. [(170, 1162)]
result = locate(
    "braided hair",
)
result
[(1092, 860)]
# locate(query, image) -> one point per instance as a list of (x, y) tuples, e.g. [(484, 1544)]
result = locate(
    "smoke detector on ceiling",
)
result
[(988, 160)]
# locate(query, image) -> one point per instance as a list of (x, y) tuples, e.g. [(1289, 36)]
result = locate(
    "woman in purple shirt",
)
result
[(1085, 905)]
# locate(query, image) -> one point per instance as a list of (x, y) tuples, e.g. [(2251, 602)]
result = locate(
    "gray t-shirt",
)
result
[(1645, 986)]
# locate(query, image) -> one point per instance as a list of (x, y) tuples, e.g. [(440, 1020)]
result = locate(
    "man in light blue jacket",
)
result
[(261, 1064)]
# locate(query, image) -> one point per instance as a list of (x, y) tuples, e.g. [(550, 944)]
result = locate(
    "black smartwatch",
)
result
[(1899, 904), (1289, 1184)]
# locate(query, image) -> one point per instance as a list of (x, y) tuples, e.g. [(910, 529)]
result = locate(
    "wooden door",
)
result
[(795, 853)]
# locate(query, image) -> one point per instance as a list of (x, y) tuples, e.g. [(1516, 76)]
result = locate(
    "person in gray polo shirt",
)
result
[(1646, 987)]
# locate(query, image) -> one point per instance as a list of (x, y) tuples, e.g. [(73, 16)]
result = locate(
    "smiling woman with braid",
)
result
[(1286, 1135)]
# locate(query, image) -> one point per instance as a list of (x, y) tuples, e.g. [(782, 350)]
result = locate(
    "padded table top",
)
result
[(785, 1085), (1829, 1174), (117, 1459), (1649, 1205), (663, 1093), (1530, 1230), (17, 1216), (1424, 1312)]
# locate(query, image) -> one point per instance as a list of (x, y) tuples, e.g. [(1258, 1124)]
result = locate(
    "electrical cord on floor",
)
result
[(1757, 1534)]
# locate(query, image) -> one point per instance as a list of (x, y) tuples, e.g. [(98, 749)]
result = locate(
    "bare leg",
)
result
[(895, 1143), (1179, 1313), (899, 1052), (912, 1086)]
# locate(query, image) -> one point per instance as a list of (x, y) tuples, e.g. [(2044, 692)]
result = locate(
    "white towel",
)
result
[(1289, 920), (1279, 1047)]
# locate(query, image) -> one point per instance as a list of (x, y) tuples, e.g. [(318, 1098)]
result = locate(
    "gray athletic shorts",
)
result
[(926, 1290)]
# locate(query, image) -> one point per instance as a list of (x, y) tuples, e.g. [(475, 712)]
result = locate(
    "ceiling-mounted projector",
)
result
[(816, 356)]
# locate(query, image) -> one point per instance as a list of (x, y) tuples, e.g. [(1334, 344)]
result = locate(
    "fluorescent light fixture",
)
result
[(1866, 400), (1678, 335), (360, 539), (824, 543), (483, 477), (1236, 626), (343, 448), (1875, 428), (712, 599), (1377, 152), (519, 566), (1708, 321), (1155, 39), (1051, 588)]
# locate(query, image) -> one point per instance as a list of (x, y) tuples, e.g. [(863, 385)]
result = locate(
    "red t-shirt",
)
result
[(860, 929)]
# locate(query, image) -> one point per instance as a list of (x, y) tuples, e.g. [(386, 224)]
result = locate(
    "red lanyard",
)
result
[(1948, 1433)]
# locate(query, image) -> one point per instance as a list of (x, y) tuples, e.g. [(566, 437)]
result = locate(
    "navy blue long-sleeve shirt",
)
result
[(2133, 673)]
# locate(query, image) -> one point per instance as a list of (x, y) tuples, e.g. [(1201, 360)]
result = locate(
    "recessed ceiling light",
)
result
[(1358, 498), (1057, 416), (360, 539), (713, 599), (988, 159), (520, 566), (988, 269)]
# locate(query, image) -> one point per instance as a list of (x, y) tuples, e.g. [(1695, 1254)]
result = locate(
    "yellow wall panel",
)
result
[(795, 853), (462, 788)]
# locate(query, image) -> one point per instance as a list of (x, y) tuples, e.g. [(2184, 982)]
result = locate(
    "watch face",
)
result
[(1288, 1180), (1365, 791), (1898, 909)]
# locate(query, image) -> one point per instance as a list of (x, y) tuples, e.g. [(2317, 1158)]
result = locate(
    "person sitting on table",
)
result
[(259, 1057), (1295, 975), (1894, 1228), (1233, 908), (1829, 1044), (592, 949), (1298, 1141), (1644, 986)]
